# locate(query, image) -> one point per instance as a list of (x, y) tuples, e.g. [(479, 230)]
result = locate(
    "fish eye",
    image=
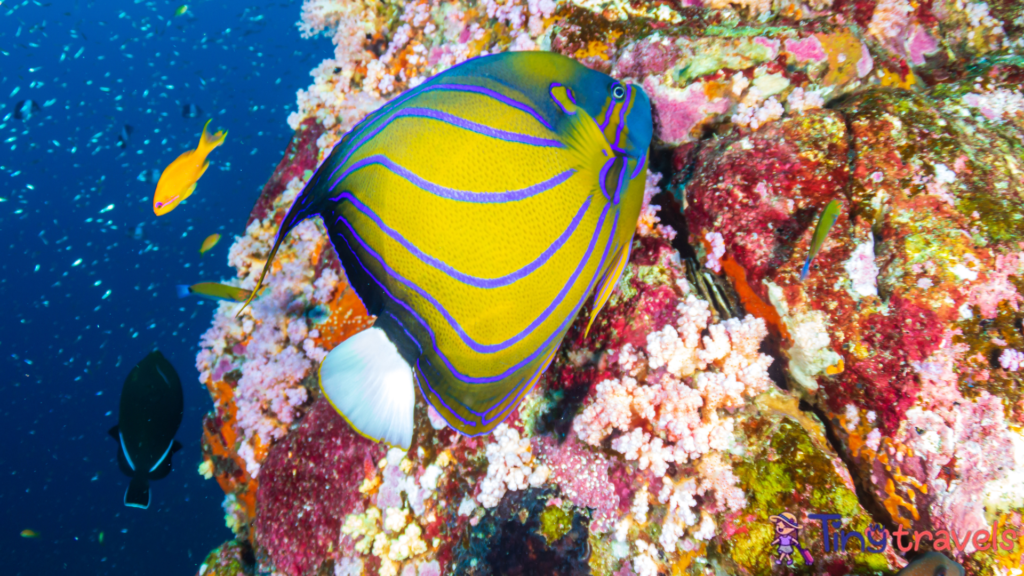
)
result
[(618, 92)]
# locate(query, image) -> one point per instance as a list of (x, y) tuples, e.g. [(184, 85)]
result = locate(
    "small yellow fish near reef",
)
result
[(209, 243), (215, 291), (29, 533), (475, 216), (179, 179), (181, 10), (825, 222)]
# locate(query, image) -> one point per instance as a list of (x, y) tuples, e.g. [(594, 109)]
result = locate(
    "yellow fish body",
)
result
[(209, 243), (178, 180), (29, 533), (475, 215)]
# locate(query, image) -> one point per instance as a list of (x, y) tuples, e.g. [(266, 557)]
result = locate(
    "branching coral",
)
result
[(510, 467), (673, 415), (681, 419)]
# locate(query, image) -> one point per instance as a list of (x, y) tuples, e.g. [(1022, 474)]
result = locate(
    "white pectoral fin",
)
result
[(371, 386), (608, 283)]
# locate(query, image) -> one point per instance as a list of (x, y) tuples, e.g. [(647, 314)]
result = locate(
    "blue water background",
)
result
[(65, 350)]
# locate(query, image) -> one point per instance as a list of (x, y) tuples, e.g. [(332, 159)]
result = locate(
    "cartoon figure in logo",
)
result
[(787, 539)]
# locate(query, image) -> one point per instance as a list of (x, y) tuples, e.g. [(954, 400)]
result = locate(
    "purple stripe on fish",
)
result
[(570, 318), (430, 332), (621, 182), (623, 111), (639, 165), (558, 102), (472, 344), (450, 193), (475, 281), (402, 326), (602, 177), (471, 423), (607, 114), (497, 96), (481, 129), (565, 323), (522, 388), (451, 119)]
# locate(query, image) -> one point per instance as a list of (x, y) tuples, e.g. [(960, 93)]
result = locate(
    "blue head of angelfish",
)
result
[(623, 111)]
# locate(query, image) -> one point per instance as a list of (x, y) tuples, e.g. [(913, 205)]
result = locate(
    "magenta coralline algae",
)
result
[(715, 389), (309, 483)]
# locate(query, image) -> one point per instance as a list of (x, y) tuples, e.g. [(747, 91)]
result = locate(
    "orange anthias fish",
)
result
[(179, 179), (209, 243)]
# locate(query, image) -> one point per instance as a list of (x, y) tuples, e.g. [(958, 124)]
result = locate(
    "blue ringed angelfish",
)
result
[(475, 215)]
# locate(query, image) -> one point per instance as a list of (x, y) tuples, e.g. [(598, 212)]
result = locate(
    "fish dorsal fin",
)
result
[(608, 283), (305, 205)]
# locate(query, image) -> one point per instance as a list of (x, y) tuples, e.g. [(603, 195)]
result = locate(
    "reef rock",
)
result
[(716, 391)]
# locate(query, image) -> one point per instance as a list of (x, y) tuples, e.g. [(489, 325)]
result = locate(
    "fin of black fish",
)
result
[(137, 495), (113, 433), (125, 136), (122, 462), (162, 468), (368, 382), (24, 109)]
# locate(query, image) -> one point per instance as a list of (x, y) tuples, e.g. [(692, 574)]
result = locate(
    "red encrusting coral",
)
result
[(308, 484)]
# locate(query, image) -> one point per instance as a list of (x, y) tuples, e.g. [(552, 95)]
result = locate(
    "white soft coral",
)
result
[(510, 467)]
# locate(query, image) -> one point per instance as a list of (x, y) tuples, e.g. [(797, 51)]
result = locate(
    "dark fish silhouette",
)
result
[(190, 111), (149, 175), (138, 233), (125, 136), (932, 564), (151, 409), (25, 109)]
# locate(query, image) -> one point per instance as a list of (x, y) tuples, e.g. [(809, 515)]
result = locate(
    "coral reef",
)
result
[(716, 390)]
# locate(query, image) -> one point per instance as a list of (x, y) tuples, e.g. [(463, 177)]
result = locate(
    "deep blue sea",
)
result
[(83, 299)]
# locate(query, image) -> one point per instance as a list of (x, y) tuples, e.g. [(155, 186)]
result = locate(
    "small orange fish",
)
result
[(179, 179), (209, 243), (29, 533)]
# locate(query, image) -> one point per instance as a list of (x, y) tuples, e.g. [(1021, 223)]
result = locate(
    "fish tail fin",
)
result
[(208, 141), (137, 495), (183, 291), (807, 268), (369, 383), (305, 205)]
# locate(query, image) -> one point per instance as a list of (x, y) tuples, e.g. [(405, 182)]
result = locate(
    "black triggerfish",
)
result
[(151, 409)]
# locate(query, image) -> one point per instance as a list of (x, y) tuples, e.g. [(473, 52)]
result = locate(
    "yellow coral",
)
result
[(206, 469)]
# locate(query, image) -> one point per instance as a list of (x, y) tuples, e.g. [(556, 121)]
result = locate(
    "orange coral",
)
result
[(751, 301), (347, 317)]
